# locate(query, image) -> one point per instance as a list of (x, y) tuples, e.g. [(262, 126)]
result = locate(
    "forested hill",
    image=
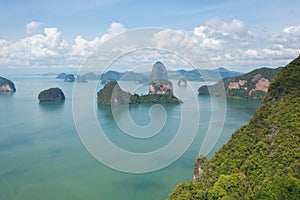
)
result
[(262, 158), (252, 85)]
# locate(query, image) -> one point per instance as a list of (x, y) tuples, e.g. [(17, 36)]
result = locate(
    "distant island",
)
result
[(144, 77), (160, 91), (252, 85), (261, 160), (6, 85), (51, 94)]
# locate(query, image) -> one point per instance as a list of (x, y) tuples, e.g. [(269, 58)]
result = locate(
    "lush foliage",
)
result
[(52, 94), (113, 94), (262, 158), (221, 89), (4, 82)]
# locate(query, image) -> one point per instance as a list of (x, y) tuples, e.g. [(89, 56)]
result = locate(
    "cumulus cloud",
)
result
[(292, 30), (49, 49), (229, 44), (32, 27), (232, 44), (114, 29)]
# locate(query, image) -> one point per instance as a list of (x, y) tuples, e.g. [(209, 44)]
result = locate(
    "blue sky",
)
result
[(273, 23)]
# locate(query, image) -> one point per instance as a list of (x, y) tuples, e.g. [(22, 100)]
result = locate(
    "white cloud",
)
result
[(292, 30), (239, 47), (114, 29), (229, 43), (234, 27), (32, 27)]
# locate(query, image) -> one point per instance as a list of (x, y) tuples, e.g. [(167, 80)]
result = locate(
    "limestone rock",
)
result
[(159, 83), (6, 85), (52, 94), (70, 78)]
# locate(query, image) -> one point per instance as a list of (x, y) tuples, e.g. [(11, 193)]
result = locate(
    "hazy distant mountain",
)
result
[(189, 75), (91, 76), (200, 74)]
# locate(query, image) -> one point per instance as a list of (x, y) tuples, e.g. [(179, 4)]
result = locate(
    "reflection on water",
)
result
[(6, 94), (51, 105)]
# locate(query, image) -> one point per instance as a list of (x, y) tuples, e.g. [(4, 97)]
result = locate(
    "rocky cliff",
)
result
[(51, 94), (252, 85), (69, 78), (112, 94), (6, 85), (159, 83), (262, 158)]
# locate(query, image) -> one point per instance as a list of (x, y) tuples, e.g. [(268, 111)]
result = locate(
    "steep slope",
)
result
[(250, 85), (6, 85), (112, 94), (262, 158)]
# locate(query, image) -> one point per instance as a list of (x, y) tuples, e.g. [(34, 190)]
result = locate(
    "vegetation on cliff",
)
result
[(52, 94), (6, 85), (113, 94), (252, 85), (262, 158)]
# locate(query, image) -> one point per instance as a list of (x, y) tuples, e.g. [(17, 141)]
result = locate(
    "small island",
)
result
[(160, 91), (81, 79), (51, 95), (70, 78), (61, 76), (182, 83), (113, 94), (6, 85)]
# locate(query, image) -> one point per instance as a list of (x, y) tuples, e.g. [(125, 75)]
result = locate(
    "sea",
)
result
[(45, 151)]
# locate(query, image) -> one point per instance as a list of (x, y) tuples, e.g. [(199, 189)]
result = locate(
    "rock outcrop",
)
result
[(252, 85), (159, 83), (69, 78), (112, 94), (182, 83), (52, 94), (61, 76), (6, 85)]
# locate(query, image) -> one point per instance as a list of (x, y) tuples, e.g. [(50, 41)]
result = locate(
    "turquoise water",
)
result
[(42, 157)]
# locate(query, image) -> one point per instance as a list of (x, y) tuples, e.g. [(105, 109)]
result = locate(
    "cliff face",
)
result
[(112, 94), (6, 85), (253, 85), (159, 83), (262, 158), (51, 94), (69, 78)]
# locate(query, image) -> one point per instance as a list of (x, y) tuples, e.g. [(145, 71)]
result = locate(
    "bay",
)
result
[(42, 156)]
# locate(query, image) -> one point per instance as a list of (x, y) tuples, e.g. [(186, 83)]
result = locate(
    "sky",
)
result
[(59, 35)]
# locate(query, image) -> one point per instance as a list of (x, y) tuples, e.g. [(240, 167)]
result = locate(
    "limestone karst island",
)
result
[(160, 90)]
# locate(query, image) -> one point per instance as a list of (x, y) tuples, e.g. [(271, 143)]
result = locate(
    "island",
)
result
[(160, 91), (110, 76), (91, 76), (61, 76), (252, 85), (69, 78), (261, 160), (6, 85), (182, 82), (81, 79), (51, 94)]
